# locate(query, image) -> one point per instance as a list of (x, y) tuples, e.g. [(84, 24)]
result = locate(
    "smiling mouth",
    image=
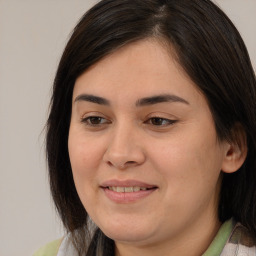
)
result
[(123, 195), (128, 189)]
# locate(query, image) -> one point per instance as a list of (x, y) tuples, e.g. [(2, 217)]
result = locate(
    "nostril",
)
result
[(130, 162), (121, 165), (109, 163)]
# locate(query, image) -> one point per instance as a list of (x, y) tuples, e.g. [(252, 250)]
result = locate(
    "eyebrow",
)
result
[(139, 103), (93, 99), (160, 99)]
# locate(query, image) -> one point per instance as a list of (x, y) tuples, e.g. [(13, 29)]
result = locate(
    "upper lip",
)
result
[(126, 183)]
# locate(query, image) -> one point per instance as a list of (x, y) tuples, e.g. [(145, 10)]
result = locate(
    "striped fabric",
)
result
[(240, 243)]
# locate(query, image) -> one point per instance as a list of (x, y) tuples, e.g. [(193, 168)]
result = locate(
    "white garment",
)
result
[(67, 248)]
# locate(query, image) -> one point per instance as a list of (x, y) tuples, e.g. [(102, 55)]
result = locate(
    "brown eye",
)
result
[(94, 120), (158, 121)]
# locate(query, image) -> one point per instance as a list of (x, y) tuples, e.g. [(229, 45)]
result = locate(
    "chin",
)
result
[(128, 238), (127, 233)]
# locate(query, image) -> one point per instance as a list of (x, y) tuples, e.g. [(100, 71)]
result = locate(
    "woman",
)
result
[(151, 134)]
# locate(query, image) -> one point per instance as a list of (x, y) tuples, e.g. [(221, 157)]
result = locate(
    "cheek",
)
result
[(85, 158), (85, 154), (190, 165)]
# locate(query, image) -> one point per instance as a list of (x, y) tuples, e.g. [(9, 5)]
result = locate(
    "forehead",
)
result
[(141, 69)]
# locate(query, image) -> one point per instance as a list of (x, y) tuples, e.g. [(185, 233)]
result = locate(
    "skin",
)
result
[(182, 157)]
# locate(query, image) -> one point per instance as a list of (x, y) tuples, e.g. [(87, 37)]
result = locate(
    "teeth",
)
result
[(129, 189), (126, 189), (136, 189), (120, 189)]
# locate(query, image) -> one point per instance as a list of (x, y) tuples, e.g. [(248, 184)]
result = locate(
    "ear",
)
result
[(236, 150)]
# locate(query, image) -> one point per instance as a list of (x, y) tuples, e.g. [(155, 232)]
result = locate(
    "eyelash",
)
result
[(89, 120), (156, 119), (164, 122)]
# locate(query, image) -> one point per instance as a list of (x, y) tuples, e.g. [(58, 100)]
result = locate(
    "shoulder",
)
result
[(241, 242), (50, 249)]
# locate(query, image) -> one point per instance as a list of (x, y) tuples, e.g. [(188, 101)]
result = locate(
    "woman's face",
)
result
[(143, 147)]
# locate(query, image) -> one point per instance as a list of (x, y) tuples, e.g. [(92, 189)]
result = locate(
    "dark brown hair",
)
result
[(212, 53)]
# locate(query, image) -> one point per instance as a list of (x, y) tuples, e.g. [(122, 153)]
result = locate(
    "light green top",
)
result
[(50, 249), (214, 249), (220, 239)]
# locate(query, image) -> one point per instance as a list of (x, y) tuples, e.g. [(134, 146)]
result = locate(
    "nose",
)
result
[(125, 149)]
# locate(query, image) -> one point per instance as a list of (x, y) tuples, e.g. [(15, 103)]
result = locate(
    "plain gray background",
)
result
[(33, 34)]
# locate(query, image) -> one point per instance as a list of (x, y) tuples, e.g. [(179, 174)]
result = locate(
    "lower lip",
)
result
[(127, 197)]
